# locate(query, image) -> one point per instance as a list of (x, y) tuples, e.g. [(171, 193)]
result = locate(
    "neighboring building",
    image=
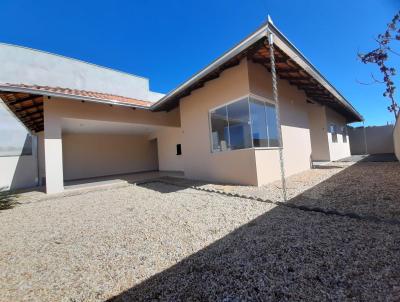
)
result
[(223, 119)]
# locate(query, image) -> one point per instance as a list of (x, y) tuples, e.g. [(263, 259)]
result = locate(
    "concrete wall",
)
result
[(91, 155), (396, 138), (237, 166), (340, 149), (29, 66), (18, 151), (295, 127), (19, 172), (372, 140), (318, 132), (167, 139)]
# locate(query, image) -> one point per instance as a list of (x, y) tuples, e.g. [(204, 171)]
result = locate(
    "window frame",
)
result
[(246, 96), (344, 135)]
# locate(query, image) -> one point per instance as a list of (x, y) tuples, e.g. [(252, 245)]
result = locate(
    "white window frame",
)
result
[(248, 96)]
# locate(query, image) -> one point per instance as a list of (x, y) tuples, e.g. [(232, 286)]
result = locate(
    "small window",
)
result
[(344, 134), (178, 149), (333, 130)]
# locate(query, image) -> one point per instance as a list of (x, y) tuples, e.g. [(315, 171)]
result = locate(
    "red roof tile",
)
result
[(81, 93)]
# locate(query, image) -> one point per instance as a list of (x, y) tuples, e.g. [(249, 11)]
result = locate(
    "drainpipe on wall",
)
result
[(278, 114)]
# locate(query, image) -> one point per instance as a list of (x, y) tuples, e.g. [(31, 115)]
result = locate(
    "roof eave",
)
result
[(282, 42), (68, 96), (257, 35)]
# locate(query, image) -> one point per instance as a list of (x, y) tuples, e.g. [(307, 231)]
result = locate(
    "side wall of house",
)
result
[(237, 167), (295, 127), (167, 139), (340, 149), (318, 132), (91, 155)]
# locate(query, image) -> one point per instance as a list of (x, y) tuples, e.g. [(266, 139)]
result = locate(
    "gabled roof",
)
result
[(291, 65), (26, 101)]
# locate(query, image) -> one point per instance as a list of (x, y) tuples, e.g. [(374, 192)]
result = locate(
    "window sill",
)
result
[(246, 149)]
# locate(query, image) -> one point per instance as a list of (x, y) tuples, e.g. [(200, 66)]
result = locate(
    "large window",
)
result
[(246, 123)]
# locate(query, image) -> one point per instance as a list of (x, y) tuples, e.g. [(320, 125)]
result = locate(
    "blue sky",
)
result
[(168, 41)]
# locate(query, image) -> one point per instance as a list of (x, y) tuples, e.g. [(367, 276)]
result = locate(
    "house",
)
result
[(220, 125)]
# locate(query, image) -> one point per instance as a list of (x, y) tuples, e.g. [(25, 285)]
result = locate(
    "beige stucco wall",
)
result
[(340, 149), (167, 139), (65, 108), (199, 162), (396, 138), (249, 166), (318, 132), (56, 109), (295, 127), (91, 155)]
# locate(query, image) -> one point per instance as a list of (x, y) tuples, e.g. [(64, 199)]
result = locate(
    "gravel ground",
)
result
[(162, 242), (90, 247), (369, 189)]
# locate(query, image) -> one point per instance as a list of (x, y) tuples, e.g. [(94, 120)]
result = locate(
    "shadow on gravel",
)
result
[(366, 188), (290, 255), (7, 200)]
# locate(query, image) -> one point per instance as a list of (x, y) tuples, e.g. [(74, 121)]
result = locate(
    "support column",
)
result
[(52, 149)]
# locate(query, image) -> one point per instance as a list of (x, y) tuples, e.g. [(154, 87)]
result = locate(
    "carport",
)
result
[(85, 135)]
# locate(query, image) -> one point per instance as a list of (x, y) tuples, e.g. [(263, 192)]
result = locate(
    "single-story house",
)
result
[(220, 125)]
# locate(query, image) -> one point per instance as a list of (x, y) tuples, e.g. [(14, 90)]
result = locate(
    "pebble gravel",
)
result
[(161, 242)]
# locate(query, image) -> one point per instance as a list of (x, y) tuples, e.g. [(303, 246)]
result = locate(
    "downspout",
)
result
[(278, 114)]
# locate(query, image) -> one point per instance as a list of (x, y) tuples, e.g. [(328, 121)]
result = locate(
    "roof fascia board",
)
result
[(68, 96), (260, 33)]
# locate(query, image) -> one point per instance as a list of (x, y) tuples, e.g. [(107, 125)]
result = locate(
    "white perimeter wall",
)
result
[(91, 155), (29, 66), (18, 172), (396, 138)]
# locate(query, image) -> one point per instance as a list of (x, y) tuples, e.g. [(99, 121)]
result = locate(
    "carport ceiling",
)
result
[(93, 127)]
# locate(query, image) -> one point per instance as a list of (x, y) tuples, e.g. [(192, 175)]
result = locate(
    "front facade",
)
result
[(219, 126)]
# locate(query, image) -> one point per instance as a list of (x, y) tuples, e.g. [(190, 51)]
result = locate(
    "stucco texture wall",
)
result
[(167, 139), (18, 172), (91, 155), (318, 132), (396, 138), (51, 148), (340, 149), (236, 167), (295, 127), (371, 140), (248, 166)]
